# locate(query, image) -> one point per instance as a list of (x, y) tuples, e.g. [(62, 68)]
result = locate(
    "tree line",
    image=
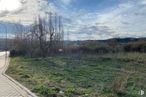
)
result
[(44, 38)]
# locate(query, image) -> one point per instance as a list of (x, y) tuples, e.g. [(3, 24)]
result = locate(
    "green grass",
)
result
[(109, 75)]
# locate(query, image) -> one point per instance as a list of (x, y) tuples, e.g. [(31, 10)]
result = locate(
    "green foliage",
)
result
[(108, 75), (25, 76), (69, 92), (47, 92)]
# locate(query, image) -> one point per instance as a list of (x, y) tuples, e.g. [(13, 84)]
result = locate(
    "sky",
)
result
[(83, 19)]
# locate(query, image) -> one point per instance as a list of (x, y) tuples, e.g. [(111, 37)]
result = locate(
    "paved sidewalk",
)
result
[(8, 86)]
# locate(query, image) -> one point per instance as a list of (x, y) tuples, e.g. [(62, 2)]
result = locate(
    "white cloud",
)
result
[(20, 10), (9, 5), (127, 20)]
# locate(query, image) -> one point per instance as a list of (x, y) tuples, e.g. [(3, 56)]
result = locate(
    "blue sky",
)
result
[(84, 19), (92, 5)]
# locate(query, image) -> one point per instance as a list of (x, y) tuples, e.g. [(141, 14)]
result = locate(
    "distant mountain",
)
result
[(117, 41), (122, 40), (126, 40), (12, 27), (104, 42)]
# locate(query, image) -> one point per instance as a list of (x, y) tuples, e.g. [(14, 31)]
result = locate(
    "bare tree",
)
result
[(44, 38)]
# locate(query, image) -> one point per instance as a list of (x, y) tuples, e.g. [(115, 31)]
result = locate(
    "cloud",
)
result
[(9, 5), (143, 2), (21, 10), (126, 19)]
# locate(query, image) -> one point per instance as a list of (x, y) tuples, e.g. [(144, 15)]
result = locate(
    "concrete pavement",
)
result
[(8, 86)]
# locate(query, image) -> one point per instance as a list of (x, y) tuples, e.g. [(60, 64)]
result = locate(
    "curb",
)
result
[(29, 93)]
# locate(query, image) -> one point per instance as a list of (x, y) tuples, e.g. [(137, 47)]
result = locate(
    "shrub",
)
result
[(46, 91)]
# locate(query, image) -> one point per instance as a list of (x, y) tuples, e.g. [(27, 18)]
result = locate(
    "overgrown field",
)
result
[(109, 75)]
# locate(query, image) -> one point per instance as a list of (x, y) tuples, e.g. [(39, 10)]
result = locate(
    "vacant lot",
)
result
[(109, 75)]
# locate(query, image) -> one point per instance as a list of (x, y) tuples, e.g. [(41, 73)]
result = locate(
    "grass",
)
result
[(109, 75)]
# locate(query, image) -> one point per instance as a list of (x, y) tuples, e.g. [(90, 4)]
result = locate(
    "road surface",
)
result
[(8, 86)]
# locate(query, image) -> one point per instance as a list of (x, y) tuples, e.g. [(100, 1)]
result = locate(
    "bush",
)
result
[(46, 91), (69, 92), (14, 53), (139, 46)]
